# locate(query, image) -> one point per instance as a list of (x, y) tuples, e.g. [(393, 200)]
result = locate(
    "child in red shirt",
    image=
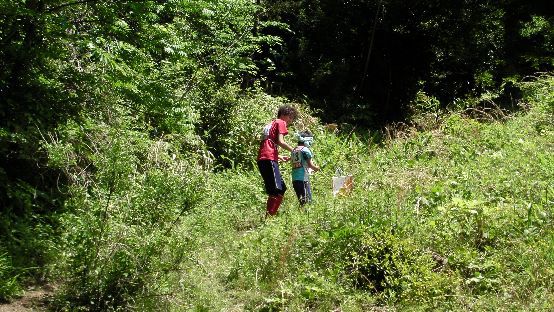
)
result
[(268, 157)]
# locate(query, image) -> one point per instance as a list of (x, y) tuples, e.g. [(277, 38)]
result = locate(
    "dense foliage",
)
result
[(364, 60), (78, 75), (129, 131), (456, 218)]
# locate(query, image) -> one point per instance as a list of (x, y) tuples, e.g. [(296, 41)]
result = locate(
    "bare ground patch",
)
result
[(35, 298)]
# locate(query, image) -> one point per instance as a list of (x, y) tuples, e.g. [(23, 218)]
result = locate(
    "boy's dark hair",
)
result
[(287, 110)]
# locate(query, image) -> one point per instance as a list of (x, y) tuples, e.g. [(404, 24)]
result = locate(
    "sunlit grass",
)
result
[(460, 217)]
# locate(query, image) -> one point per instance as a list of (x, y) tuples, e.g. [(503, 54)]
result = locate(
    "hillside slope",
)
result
[(457, 218)]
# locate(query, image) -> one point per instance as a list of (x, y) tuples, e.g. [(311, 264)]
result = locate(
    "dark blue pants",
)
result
[(303, 191), (273, 181)]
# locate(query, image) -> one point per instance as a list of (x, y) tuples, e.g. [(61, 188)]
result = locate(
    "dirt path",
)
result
[(34, 299)]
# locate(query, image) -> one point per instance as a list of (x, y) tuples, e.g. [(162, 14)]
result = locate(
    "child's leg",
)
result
[(308, 191), (274, 185), (272, 205), (273, 181), (281, 188), (300, 190)]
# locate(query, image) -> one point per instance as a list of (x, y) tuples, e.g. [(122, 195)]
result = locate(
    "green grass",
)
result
[(455, 218)]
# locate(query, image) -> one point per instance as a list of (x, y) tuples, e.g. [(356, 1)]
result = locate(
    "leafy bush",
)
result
[(128, 192), (231, 123), (9, 284)]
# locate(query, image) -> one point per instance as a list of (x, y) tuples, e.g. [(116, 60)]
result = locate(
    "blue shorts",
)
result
[(303, 191), (273, 181)]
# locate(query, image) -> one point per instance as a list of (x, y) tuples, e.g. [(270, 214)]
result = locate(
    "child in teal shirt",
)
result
[(302, 163)]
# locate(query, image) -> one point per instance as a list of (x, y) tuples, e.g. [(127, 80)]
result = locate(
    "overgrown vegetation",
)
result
[(371, 57), (459, 217), (128, 136)]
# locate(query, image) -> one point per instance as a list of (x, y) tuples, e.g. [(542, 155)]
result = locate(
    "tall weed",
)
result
[(128, 194)]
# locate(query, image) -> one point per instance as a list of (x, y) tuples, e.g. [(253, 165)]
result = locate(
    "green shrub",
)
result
[(9, 283), (128, 193), (231, 123)]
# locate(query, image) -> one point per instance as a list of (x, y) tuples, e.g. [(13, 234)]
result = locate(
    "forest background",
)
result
[(129, 130)]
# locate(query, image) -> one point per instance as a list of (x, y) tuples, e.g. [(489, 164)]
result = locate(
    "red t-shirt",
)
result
[(268, 146)]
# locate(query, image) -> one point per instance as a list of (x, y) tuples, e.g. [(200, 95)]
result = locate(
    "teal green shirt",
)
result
[(299, 158)]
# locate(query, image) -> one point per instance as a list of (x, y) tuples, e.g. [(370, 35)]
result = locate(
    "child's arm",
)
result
[(281, 142), (312, 166)]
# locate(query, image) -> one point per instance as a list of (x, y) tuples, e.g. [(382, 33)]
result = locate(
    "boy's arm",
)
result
[(312, 166), (281, 142)]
